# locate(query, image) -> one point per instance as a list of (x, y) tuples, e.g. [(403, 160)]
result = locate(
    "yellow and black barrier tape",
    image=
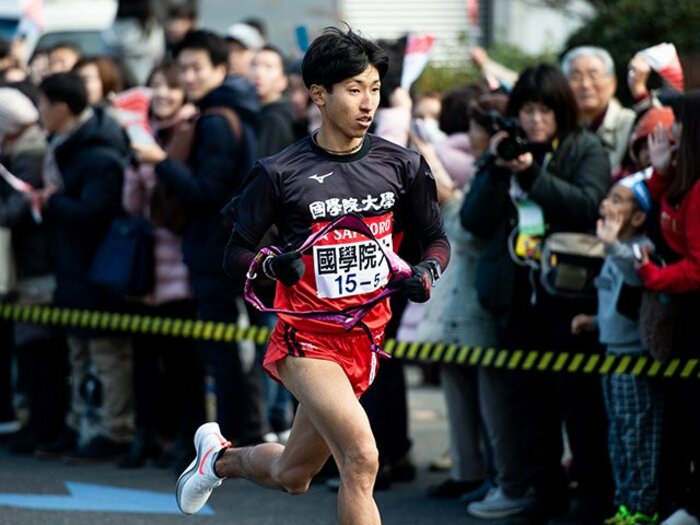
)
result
[(524, 360)]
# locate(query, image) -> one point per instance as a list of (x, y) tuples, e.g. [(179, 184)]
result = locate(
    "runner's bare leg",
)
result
[(289, 468), (329, 418)]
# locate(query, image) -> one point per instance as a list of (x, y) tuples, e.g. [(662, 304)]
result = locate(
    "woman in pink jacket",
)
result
[(165, 370)]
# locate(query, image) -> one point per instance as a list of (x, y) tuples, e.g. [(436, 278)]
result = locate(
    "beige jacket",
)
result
[(615, 131)]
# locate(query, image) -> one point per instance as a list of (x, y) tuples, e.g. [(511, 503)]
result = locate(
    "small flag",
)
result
[(131, 111), (23, 187), (32, 22), (302, 36), (418, 48), (663, 58)]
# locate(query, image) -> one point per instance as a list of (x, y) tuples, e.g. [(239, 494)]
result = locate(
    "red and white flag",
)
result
[(132, 106), (663, 58), (131, 111), (418, 48), (32, 22), (23, 187)]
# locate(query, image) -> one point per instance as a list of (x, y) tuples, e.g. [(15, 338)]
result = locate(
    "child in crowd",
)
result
[(633, 404), (637, 157)]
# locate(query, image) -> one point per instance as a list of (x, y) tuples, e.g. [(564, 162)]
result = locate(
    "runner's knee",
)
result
[(360, 463), (293, 481)]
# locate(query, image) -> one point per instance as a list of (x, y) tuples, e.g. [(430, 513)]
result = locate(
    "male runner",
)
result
[(338, 170)]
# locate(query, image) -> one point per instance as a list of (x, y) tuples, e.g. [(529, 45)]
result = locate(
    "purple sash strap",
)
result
[(349, 317)]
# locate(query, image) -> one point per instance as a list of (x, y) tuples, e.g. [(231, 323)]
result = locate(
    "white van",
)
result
[(78, 21)]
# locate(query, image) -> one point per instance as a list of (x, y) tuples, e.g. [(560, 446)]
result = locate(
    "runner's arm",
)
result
[(252, 213), (421, 206), (238, 256), (438, 250)]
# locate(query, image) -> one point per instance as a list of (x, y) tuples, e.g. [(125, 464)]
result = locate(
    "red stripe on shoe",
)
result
[(206, 455)]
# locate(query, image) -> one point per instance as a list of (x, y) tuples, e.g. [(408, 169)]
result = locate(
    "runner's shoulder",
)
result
[(289, 156), (382, 145)]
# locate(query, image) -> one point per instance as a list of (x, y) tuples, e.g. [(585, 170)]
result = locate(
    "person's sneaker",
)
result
[(441, 464), (498, 505), (639, 518), (9, 427), (283, 437), (21, 442), (98, 449), (333, 483), (477, 494), (66, 441), (625, 517), (403, 470), (681, 517), (452, 488), (270, 437), (621, 518), (195, 484)]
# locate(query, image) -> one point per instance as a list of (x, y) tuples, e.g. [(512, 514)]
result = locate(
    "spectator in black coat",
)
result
[(276, 120), (83, 175), (218, 161), (40, 351)]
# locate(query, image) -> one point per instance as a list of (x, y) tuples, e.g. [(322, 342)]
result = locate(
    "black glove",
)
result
[(287, 268), (417, 288)]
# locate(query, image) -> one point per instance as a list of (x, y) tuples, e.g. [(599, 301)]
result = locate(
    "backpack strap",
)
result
[(181, 143), (231, 117), (180, 147)]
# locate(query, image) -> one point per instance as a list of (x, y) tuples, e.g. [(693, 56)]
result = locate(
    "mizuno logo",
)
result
[(321, 178)]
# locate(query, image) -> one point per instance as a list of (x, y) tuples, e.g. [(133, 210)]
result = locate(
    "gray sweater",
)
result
[(619, 332)]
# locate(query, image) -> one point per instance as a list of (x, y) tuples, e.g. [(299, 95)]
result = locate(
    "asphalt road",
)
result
[(36, 492)]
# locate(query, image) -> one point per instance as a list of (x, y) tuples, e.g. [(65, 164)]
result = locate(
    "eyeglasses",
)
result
[(594, 75)]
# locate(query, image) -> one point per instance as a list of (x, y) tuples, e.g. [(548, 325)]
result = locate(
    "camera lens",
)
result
[(510, 148)]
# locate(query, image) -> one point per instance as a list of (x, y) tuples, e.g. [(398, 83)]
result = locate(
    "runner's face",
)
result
[(349, 108)]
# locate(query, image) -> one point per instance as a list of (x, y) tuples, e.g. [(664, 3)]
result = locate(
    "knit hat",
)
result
[(246, 35), (646, 126), (637, 183), (16, 111), (649, 120)]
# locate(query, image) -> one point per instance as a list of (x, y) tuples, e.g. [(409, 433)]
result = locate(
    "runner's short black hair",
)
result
[(201, 39), (68, 88), (337, 55)]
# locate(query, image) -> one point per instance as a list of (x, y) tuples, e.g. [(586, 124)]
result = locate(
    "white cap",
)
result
[(246, 35), (16, 111)]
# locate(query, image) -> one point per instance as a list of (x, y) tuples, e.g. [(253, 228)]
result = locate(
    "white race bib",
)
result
[(346, 263)]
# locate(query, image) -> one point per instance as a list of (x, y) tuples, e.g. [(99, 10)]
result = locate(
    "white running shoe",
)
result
[(680, 517), (195, 484)]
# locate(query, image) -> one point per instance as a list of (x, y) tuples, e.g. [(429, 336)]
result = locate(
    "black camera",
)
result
[(512, 146)]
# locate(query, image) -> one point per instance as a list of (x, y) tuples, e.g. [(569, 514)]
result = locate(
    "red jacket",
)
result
[(680, 227)]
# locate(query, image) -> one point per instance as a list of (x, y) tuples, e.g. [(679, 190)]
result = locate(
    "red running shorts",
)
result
[(350, 350)]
